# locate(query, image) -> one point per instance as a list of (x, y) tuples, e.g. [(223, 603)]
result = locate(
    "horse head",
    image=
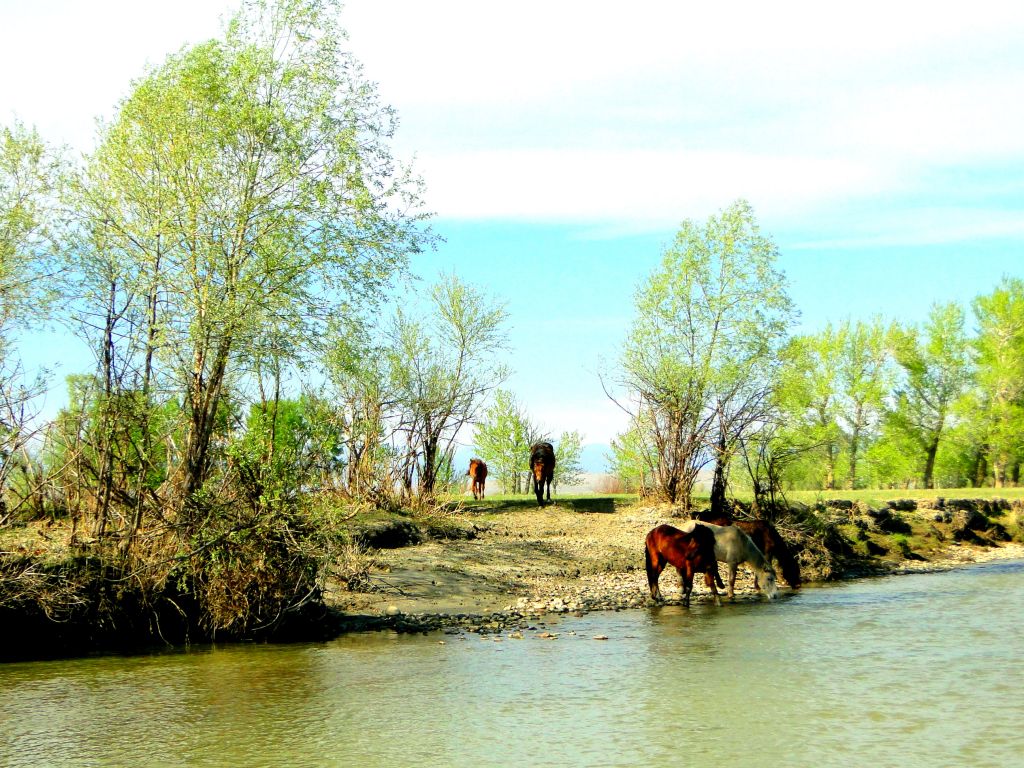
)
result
[(771, 589)]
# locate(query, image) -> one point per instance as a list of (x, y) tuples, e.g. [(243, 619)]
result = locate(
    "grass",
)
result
[(500, 503)]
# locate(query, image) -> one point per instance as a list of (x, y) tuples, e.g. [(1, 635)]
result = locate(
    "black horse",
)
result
[(542, 464)]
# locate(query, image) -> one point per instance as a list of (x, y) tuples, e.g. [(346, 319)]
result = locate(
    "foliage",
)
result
[(30, 176), (999, 350), (502, 438), (864, 379), (244, 194), (569, 452), (630, 460), (937, 371), (442, 365), (698, 360)]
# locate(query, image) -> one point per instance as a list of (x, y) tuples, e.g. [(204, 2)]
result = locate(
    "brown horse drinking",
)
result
[(767, 538), (689, 553), (542, 465), (478, 473)]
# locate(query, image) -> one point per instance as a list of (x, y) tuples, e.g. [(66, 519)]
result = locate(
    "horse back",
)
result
[(542, 460), (695, 548), (477, 469)]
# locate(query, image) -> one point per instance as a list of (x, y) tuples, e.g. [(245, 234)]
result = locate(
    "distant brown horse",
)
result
[(478, 474), (767, 538), (542, 465), (689, 553)]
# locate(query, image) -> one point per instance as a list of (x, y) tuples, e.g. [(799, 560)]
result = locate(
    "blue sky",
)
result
[(881, 145)]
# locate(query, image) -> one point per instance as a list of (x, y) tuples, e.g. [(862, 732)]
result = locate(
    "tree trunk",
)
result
[(428, 476), (929, 464), (719, 481), (851, 482), (980, 470), (205, 402), (106, 457)]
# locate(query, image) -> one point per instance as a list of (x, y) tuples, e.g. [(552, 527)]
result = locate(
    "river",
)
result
[(922, 670)]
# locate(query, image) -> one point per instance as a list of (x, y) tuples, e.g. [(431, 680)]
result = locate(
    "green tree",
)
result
[(30, 176), (503, 437), (809, 398), (699, 357), (360, 383), (864, 381), (631, 459), (245, 185), (999, 352), (569, 453), (443, 365), (937, 370)]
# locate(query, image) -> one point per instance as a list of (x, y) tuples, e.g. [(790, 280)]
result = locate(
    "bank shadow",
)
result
[(584, 504)]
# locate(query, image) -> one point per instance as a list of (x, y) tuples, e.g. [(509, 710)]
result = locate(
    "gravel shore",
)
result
[(518, 567)]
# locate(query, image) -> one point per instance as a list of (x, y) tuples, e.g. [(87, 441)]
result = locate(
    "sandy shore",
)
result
[(527, 563)]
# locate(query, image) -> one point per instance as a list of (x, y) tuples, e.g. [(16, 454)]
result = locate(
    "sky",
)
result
[(562, 143)]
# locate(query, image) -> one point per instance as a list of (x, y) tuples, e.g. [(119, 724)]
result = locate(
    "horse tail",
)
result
[(649, 560), (790, 567)]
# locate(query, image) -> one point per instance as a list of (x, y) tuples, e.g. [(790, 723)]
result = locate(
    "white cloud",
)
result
[(655, 188), (627, 116), (639, 115)]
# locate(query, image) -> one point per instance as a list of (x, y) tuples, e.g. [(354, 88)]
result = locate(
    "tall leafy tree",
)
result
[(699, 357), (245, 184), (443, 365), (999, 350), (937, 369), (807, 401), (865, 379), (30, 175)]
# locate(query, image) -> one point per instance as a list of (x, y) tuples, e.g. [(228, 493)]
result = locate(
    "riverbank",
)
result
[(501, 567)]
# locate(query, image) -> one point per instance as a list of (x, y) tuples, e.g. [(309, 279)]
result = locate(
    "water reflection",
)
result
[(877, 672)]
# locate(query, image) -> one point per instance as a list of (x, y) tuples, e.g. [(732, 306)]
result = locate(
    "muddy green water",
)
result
[(923, 670)]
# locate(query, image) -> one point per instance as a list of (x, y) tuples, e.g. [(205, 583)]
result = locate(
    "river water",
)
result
[(923, 670)]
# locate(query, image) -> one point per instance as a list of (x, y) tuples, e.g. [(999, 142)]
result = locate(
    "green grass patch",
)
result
[(584, 502)]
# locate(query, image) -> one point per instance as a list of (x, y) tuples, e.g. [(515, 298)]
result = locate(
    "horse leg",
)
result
[(653, 574), (732, 581), (709, 581), (686, 578), (653, 562)]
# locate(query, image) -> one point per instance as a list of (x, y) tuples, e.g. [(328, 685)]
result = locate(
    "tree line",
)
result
[(715, 382)]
